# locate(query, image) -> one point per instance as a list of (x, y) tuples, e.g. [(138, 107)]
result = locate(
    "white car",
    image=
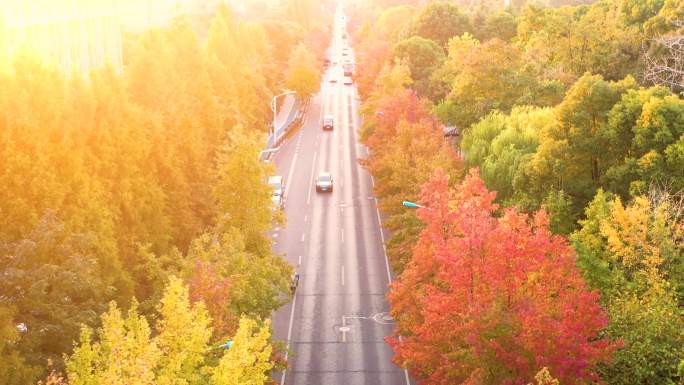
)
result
[(324, 182), (277, 197), (276, 183), (278, 202), (348, 81)]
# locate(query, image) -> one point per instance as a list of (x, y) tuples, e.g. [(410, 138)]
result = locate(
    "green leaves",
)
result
[(634, 255), (486, 77), (423, 56), (259, 282), (243, 198), (439, 21)]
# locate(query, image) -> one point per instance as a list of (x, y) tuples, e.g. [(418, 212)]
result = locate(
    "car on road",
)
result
[(278, 202), (348, 68), (328, 122), (324, 182), (278, 194), (348, 81), (276, 183), (294, 282)]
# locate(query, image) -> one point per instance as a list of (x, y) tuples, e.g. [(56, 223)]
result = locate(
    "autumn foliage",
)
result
[(406, 144), (490, 299)]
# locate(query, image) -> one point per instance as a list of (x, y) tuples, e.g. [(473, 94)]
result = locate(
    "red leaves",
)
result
[(490, 299), (206, 285), (393, 109)]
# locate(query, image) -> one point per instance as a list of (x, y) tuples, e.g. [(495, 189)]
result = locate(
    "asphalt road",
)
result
[(336, 325)]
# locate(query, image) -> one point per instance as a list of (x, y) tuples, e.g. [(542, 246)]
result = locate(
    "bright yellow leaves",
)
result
[(128, 353), (247, 362), (641, 236), (631, 237)]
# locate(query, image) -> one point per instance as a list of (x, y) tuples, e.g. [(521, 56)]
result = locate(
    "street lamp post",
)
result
[(274, 108)]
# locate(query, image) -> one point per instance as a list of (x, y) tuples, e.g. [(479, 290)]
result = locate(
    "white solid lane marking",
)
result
[(342, 275), (342, 235), (289, 336), (299, 262), (303, 236), (389, 275)]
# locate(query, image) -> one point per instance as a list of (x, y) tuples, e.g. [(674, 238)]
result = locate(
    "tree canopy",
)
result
[(490, 299), (113, 182)]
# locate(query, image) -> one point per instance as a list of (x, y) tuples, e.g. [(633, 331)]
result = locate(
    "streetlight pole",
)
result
[(274, 108)]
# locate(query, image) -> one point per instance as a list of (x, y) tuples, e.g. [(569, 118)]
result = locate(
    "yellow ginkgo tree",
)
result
[(177, 351), (634, 254), (248, 361)]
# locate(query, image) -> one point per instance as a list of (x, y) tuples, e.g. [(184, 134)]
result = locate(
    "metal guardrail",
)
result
[(294, 119)]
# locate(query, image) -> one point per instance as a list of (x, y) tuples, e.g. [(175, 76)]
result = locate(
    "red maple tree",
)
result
[(389, 110), (491, 299), (207, 286)]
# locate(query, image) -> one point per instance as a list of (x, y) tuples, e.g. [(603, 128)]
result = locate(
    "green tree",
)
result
[(561, 211), (666, 20), (392, 22), (303, 72), (502, 144), (55, 283), (633, 255), (592, 256), (502, 25), (571, 155), (248, 361), (644, 136), (652, 330), (570, 41), (440, 21), (488, 76), (242, 77), (241, 192), (638, 11), (13, 368), (259, 283), (423, 56)]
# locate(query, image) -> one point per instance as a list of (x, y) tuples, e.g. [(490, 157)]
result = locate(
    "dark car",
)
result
[(294, 282)]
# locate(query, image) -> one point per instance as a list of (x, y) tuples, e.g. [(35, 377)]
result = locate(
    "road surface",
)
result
[(337, 323)]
